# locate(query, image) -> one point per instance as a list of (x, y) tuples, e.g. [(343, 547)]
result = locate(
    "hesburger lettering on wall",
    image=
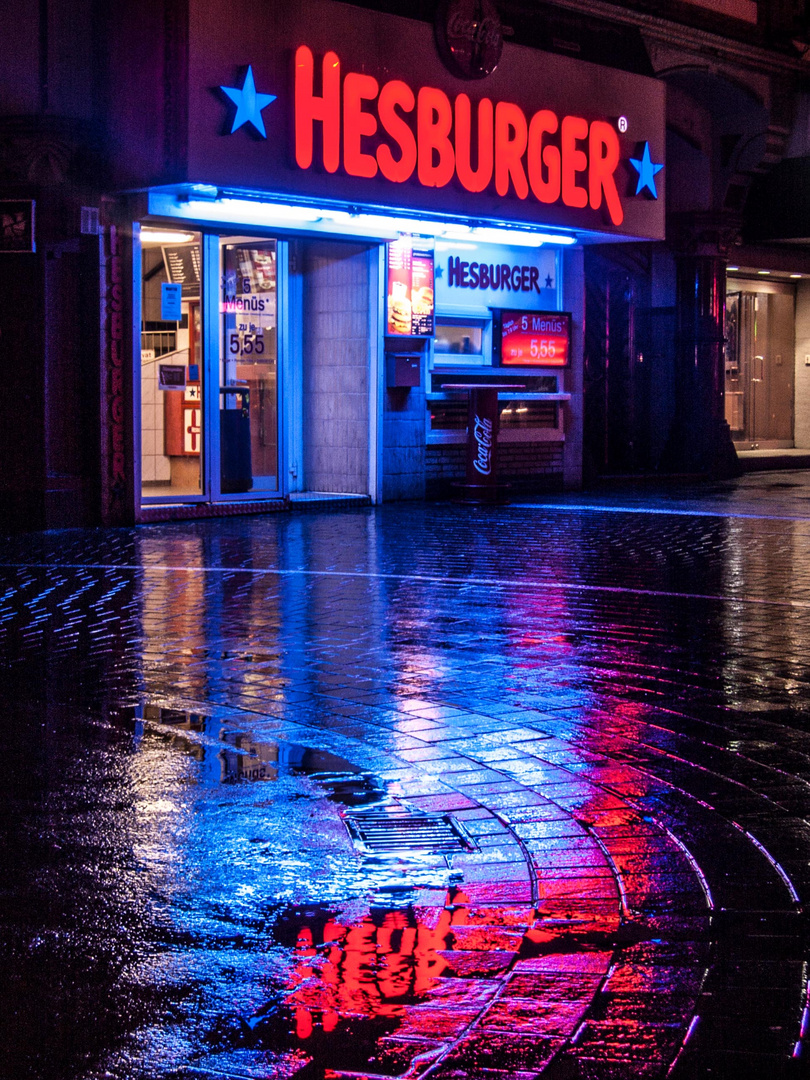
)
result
[(427, 136)]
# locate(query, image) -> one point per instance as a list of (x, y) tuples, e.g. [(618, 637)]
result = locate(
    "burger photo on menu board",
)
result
[(399, 309), (423, 301)]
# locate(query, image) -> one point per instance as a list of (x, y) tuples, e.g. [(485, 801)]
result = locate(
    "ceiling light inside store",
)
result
[(165, 236), (763, 271), (796, 275), (732, 268)]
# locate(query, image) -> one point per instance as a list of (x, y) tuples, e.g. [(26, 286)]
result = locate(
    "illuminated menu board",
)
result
[(410, 288), (535, 338), (183, 267)]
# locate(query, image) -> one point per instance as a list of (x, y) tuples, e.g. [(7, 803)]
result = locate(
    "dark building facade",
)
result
[(254, 254)]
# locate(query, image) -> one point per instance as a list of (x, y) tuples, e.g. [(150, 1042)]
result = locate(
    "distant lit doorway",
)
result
[(759, 384)]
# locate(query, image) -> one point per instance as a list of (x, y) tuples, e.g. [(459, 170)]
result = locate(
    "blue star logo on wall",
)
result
[(249, 103), (646, 170)]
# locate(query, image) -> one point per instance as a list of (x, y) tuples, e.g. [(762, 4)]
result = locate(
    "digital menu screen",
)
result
[(410, 288), (535, 338)]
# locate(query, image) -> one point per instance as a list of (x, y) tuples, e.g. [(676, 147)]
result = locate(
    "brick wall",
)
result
[(528, 467), (404, 443)]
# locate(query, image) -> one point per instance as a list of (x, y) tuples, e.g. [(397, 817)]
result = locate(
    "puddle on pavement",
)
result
[(244, 758), (315, 778)]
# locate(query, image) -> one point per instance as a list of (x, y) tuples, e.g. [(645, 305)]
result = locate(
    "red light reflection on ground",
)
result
[(374, 968)]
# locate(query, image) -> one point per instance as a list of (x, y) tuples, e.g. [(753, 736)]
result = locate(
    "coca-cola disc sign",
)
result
[(535, 338), (469, 37)]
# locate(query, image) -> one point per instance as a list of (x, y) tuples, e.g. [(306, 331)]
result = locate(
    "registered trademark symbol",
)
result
[(622, 124)]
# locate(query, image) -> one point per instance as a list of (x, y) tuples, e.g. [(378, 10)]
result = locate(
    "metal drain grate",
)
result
[(386, 832)]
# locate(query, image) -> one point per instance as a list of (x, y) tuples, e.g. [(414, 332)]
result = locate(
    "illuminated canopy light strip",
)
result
[(229, 209), (278, 211), (529, 239), (409, 220)]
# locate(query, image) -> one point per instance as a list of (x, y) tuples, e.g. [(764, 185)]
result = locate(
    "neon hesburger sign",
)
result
[(389, 130)]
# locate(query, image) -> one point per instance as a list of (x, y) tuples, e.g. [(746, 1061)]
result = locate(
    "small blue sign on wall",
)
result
[(171, 302)]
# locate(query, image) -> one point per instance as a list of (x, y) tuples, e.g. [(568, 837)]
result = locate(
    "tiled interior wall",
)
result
[(154, 463), (336, 367)]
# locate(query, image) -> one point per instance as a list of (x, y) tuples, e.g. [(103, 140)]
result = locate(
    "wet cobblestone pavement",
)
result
[(422, 791)]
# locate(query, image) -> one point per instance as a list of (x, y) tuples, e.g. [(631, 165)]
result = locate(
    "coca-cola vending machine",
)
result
[(483, 423), (481, 484)]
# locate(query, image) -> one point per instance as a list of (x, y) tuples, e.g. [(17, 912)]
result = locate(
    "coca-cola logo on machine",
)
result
[(482, 433), (469, 37)]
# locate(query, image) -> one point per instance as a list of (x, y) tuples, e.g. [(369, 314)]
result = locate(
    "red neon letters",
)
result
[(425, 133)]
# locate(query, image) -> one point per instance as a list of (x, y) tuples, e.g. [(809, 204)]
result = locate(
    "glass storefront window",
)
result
[(172, 383), (248, 390), (529, 414), (451, 415), (448, 415), (459, 341)]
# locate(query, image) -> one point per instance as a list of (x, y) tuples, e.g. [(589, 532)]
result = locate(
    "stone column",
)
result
[(700, 439)]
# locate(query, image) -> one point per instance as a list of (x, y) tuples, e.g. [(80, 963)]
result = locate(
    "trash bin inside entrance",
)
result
[(236, 467)]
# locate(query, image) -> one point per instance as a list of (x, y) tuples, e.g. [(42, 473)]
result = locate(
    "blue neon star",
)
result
[(646, 170), (249, 103)]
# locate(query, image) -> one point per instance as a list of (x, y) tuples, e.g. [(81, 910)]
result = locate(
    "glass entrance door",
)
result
[(209, 372), (173, 442), (248, 375), (759, 368)]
